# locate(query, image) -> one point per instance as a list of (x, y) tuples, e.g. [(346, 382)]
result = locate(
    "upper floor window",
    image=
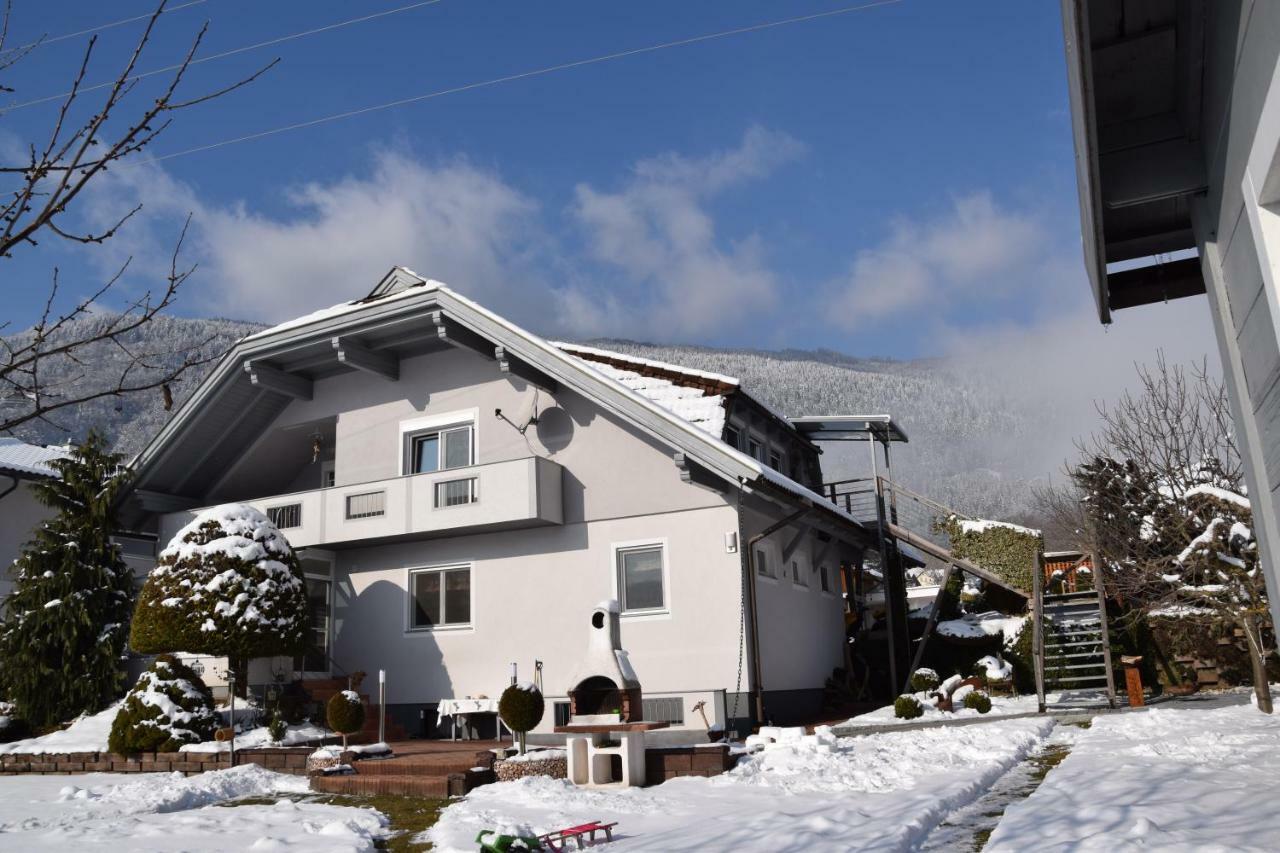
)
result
[(754, 448), (762, 563), (775, 460), (440, 449), (733, 437)]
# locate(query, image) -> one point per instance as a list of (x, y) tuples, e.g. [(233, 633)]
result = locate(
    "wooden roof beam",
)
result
[(273, 379), (360, 357)]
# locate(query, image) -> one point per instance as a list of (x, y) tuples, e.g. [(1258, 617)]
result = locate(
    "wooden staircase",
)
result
[(1072, 646), (323, 689)]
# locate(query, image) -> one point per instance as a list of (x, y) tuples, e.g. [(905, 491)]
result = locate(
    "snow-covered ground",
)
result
[(1001, 706), (90, 734), (166, 812), (1166, 778), (874, 792), (86, 734)]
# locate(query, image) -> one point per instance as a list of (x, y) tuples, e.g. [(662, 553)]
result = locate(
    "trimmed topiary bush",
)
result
[(229, 585), (924, 679), (907, 707), (345, 713), (521, 708), (277, 728), (168, 707), (978, 701)]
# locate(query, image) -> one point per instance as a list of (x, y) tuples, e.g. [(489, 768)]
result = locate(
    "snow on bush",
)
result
[(1008, 550), (521, 708), (977, 700), (168, 707), (345, 713), (228, 584), (907, 707), (924, 679)]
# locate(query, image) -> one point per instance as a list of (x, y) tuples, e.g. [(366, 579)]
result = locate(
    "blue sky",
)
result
[(895, 181)]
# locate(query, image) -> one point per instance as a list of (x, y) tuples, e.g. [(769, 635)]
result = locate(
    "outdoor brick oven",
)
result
[(606, 743), (605, 688)]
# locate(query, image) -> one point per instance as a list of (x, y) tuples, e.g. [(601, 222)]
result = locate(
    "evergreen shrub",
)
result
[(907, 707), (168, 707)]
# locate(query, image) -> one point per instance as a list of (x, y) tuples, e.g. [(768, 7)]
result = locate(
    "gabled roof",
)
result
[(28, 460), (254, 382)]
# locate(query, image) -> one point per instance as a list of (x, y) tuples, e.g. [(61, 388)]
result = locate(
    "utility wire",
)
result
[(43, 41), (224, 54), (524, 75)]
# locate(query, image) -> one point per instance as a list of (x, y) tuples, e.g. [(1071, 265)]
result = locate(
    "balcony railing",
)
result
[(517, 493)]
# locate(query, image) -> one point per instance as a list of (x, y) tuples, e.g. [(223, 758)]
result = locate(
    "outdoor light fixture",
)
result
[(197, 667), (731, 542)]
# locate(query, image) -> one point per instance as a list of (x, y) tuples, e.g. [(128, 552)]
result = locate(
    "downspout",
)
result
[(758, 687)]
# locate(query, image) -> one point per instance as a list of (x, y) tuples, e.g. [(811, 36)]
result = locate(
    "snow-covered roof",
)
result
[(580, 350), (30, 459), (705, 411)]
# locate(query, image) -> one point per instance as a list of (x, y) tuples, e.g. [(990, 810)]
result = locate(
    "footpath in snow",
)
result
[(874, 792), (1166, 778), (166, 812)]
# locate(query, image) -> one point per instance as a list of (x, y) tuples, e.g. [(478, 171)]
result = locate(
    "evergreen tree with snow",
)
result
[(168, 707), (228, 584), (63, 633)]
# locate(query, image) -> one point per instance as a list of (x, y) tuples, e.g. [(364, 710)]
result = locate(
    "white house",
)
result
[(464, 492), (21, 465)]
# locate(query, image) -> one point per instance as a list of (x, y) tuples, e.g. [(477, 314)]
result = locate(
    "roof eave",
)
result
[(1076, 39)]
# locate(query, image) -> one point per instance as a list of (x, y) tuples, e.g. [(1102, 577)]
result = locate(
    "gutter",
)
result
[(758, 686)]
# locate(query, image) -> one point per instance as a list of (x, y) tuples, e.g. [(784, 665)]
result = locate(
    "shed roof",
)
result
[(28, 460)]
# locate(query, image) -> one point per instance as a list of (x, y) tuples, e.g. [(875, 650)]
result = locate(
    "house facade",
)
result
[(1175, 108), (21, 466), (462, 493)]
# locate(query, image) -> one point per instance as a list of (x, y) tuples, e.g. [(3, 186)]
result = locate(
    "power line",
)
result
[(99, 28), (524, 75), (224, 54)]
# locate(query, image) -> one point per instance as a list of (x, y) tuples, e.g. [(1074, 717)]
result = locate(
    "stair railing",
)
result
[(1106, 635), (1037, 624)]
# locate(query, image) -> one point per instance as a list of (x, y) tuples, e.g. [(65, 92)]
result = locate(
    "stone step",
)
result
[(413, 765), (401, 784)]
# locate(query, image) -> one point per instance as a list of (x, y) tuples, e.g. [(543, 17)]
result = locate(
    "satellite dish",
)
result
[(526, 414)]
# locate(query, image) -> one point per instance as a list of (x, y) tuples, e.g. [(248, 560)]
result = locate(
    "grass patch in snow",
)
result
[(409, 816)]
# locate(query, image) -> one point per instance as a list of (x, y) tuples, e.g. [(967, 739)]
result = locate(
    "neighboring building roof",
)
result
[(227, 409), (28, 460), (703, 410)]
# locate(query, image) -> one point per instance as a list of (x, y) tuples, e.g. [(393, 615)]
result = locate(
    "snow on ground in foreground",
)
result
[(873, 792), (1166, 778), (166, 812), (86, 734)]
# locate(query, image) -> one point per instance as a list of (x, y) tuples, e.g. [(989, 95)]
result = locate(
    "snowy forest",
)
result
[(971, 447)]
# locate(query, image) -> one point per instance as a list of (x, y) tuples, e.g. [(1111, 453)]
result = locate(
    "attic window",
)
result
[(394, 282)]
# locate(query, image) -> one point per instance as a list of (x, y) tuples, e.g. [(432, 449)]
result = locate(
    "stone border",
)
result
[(283, 759)]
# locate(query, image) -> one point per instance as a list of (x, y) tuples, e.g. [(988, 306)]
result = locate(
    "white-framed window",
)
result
[(775, 460), (733, 437), (440, 449), (327, 474), (797, 574), (438, 442), (439, 597), (641, 576), (754, 448), (824, 578)]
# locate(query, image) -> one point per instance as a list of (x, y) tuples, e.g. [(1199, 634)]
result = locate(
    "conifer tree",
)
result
[(65, 622)]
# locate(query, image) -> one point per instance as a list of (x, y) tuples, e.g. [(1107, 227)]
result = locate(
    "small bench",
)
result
[(558, 839)]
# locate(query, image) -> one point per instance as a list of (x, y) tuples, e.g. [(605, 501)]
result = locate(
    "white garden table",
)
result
[(456, 708)]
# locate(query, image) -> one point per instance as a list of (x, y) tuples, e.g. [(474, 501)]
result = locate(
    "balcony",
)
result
[(495, 496)]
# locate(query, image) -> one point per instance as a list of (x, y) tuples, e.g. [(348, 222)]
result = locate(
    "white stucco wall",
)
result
[(20, 513)]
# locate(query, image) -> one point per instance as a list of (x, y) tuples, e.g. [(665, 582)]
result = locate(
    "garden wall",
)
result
[(292, 760)]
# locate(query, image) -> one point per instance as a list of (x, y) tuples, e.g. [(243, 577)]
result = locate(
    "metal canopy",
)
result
[(849, 428)]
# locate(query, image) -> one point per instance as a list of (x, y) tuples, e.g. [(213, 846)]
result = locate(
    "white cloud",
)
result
[(667, 274), (975, 251), (658, 235)]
